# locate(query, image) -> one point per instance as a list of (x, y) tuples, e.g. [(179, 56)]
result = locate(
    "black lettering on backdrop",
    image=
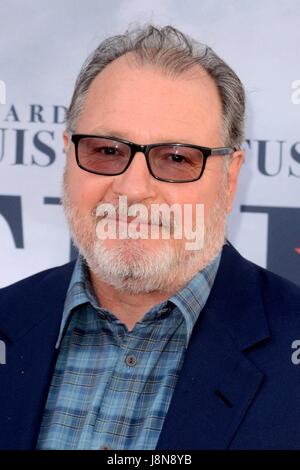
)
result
[(262, 157), (20, 145), (57, 201), (11, 210), (2, 143), (296, 156), (56, 114), (265, 155), (36, 113), (12, 113), (43, 148), (283, 239)]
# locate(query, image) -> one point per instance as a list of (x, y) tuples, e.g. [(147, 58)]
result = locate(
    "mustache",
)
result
[(153, 217)]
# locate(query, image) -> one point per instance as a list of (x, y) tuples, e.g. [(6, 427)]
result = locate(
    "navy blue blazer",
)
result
[(239, 387)]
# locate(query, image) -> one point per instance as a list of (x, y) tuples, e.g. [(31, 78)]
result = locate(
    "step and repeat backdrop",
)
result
[(42, 46)]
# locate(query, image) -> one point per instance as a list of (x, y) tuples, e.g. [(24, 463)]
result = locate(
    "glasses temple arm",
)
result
[(219, 151)]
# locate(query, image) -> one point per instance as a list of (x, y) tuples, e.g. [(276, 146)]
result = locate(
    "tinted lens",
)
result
[(176, 163), (102, 156)]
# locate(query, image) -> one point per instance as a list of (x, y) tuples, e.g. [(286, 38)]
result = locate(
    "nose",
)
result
[(136, 183)]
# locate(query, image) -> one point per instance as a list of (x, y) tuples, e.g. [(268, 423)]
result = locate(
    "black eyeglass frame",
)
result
[(145, 149)]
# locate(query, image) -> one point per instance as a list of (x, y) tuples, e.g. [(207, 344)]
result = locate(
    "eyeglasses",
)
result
[(170, 162)]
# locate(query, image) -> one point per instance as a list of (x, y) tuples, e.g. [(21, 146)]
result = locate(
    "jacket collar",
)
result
[(237, 303)]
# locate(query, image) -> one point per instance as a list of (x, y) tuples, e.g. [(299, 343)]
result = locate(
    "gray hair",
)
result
[(174, 53)]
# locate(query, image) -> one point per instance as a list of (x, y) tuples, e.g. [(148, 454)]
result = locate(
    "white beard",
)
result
[(133, 267)]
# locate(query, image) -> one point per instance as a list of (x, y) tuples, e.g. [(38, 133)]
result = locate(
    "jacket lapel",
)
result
[(29, 327), (217, 382)]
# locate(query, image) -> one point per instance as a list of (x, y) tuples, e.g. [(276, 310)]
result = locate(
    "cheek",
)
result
[(206, 191), (85, 189), (193, 193)]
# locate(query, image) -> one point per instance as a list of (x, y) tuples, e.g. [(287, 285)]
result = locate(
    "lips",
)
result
[(130, 219)]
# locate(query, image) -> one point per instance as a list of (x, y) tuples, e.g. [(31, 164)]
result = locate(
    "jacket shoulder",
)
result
[(272, 286), (278, 291), (279, 297), (51, 277)]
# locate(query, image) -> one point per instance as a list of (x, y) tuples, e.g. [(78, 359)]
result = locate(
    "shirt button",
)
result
[(131, 360)]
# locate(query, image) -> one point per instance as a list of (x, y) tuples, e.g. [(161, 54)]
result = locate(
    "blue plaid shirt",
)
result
[(111, 387)]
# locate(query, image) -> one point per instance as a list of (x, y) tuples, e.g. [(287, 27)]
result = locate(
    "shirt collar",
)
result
[(190, 300), (192, 297), (80, 291)]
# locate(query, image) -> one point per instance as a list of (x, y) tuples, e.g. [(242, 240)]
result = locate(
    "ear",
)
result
[(236, 161), (67, 142)]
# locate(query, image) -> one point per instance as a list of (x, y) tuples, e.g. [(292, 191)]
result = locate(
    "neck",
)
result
[(128, 308)]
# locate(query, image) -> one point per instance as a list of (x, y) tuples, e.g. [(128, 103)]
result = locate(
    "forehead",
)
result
[(144, 104)]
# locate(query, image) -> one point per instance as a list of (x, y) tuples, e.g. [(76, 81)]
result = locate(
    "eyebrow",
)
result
[(109, 132), (105, 131)]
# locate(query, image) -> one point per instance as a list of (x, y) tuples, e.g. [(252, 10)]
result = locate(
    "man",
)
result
[(143, 343)]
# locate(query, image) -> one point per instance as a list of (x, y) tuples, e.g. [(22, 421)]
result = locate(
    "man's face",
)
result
[(142, 105)]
